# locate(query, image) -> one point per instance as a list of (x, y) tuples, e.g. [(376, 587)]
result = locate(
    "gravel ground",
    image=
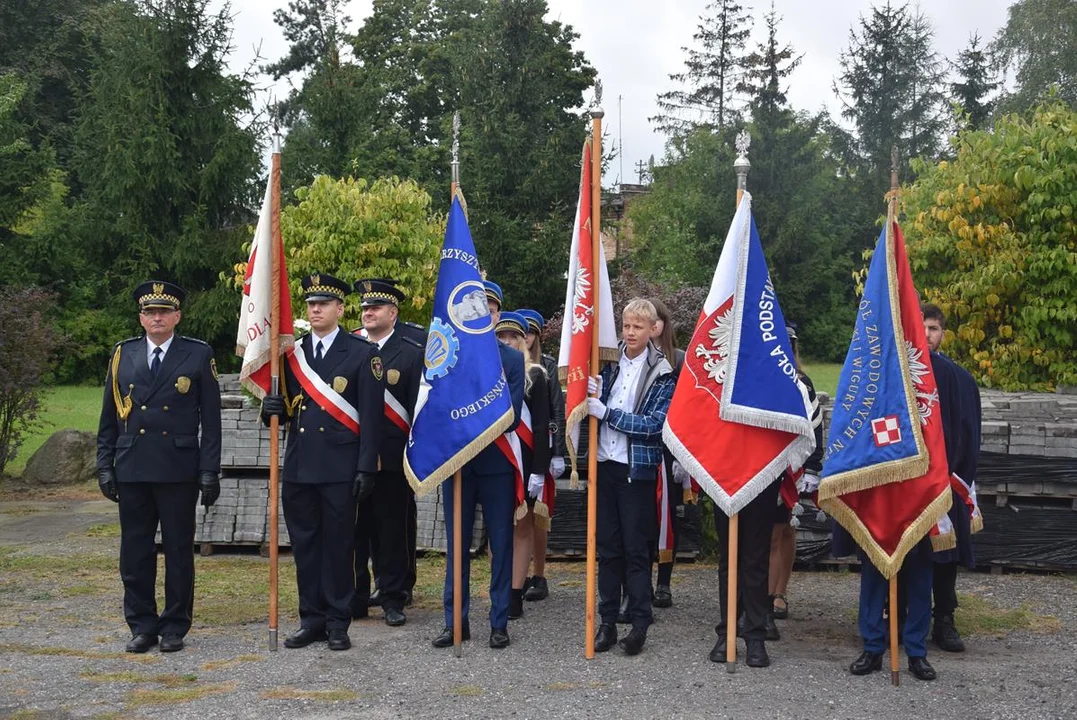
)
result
[(394, 672)]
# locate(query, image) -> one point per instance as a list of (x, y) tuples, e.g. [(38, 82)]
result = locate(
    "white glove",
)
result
[(535, 484), (808, 483), (596, 408), (557, 466), (681, 476), (594, 385)]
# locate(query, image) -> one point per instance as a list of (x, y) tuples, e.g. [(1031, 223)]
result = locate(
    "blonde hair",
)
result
[(519, 342), (641, 308)]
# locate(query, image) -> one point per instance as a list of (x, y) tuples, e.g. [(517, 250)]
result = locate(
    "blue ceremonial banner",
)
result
[(464, 402)]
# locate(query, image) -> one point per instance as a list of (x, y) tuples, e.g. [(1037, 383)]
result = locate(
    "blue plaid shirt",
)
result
[(643, 427)]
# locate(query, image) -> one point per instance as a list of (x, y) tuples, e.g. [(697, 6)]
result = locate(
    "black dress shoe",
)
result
[(921, 669), (945, 635), (663, 598), (171, 642), (781, 612), (394, 617), (141, 643), (867, 663), (499, 638), (771, 628), (339, 640), (633, 642), (303, 637), (756, 655), (718, 651), (444, 640), (606, 637), (538, 589)]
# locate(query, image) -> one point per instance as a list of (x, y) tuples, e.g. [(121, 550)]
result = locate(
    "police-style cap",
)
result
[(493, 291), (319, 286), (535, 322), (379, 291), (159, 294), (512, 322)]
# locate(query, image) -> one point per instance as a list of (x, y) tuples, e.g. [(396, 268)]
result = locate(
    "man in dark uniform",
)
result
[(385, 526), (333, 382), (959, 398), (160, 389), (488, 480)]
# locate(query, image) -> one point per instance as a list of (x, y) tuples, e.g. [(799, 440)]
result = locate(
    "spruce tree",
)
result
[(975, 85)]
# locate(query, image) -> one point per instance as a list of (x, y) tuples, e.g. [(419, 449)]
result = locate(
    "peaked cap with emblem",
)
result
[(319, 286), (535, 321), (159, 294), (379, 291)]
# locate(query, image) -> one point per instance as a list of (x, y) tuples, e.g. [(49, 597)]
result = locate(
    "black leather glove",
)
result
[(106, 480), (272, 405), (210, 486), (363, 486)]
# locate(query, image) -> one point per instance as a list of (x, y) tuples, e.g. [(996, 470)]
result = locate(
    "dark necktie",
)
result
[(318, 353), (155, 366)]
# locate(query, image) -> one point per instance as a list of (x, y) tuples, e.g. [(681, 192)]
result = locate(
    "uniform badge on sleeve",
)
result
[(183, 384), (393, 376), (375, 367), (340, 383)]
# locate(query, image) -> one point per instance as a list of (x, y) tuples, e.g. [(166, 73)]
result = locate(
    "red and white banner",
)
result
[(319, 390), (588, 304), (252, 338), (666, 539)]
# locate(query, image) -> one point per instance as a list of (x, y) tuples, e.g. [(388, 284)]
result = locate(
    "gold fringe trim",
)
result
[(123, 404), (943, 542), (574, 418), (665, 556), (542, 515), (866, 478), (976, 524), (462, 457), (609, 355), (520, 514), (888, 565)]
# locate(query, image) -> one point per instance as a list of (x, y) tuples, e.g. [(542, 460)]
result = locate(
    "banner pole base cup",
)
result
[(895, 678), (731, 667), (273, 640), (458, 650)]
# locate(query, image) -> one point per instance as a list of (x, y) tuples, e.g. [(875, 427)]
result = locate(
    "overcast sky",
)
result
[(636, 44)]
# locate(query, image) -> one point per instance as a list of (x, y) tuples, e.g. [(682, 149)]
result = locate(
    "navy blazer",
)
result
[(491, 461), (959, 400), (159, 439), (403, 358), (322, 450)]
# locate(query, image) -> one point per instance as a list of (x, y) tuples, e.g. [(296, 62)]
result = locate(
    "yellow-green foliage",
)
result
[(354, 229), (992, 239)]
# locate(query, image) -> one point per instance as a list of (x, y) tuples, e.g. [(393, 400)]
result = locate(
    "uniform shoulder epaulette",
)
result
[(130, 339), (412, 341), (414, 326), (194, 340), (360, 338)]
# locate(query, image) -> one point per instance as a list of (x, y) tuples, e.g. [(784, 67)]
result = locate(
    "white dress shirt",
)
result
[(327, 341), (150, 347), (381, 343), (613, 445)]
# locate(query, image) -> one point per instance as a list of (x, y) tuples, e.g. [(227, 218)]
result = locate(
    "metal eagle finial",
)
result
[(596, 109), (456, 137)]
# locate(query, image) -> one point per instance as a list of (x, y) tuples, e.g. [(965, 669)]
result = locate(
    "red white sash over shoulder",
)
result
[(397, 413), (319, 390)]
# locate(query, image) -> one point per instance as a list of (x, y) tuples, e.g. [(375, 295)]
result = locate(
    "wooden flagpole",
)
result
[(592, 422), (274, 388), (741, 166), (891, 216), (457, 477)]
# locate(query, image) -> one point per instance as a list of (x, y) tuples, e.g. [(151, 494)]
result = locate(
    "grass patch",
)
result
[(466, 691), (141, 697), (71, 652), (20, 510), (104, 530), (230, 663), (824, 376), (430, 579), (976, 616), (291, 693), (234, 590), (65, 406), (170, 680)]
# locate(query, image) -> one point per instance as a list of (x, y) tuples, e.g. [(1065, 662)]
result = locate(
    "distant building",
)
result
[(616, 231)]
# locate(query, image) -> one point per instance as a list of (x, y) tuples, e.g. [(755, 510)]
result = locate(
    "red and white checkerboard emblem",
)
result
[(887, 431)]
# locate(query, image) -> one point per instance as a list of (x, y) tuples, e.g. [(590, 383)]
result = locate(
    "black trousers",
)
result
[(625, 520), (944, 587), (142, 506), (753, 567), (381, 531), (321, 525)]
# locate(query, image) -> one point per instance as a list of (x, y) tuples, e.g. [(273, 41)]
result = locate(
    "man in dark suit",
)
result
[(488, 479), (160, 388), (385, 527), (334, 381)]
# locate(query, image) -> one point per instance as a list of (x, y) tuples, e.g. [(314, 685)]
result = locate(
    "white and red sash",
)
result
[(509, 445), (967, 493), (397, 413), (319, 390), (665, 517)]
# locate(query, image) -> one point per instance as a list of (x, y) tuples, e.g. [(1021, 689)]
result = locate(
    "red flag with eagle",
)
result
[(252, 338), (588, 301)]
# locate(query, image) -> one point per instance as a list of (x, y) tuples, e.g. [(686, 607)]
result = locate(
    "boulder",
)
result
[(66, 458)]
